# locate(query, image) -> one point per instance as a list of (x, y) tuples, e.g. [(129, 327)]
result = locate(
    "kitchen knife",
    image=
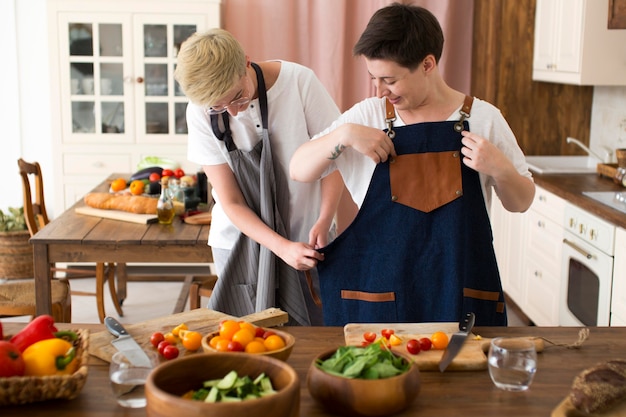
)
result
[(125, 343), (457, 340)]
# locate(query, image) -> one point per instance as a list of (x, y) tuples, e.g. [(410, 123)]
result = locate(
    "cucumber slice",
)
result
[(228, 381)]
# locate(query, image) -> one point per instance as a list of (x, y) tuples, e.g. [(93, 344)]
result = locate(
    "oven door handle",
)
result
[(577, 249)]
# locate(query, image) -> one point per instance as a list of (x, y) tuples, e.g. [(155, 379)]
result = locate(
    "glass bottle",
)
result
[(165, 206)]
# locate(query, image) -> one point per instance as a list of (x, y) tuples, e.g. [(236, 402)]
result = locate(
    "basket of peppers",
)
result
[(40, 363)]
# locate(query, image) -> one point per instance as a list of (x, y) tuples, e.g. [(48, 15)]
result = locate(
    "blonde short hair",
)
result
[(209, 65)]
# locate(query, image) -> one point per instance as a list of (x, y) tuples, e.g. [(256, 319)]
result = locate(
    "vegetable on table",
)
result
[(233, 388), (50, 357), (11, 361), (40, 328), (374, 361)]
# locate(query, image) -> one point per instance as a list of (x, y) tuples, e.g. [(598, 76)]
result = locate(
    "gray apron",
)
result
[(253, 278)]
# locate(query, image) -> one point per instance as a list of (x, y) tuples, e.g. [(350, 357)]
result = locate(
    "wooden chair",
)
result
[(17, 298), (36, 218), (200, 287)]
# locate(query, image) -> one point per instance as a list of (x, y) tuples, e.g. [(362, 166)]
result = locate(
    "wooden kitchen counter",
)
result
[(571, 187), (453, 394)]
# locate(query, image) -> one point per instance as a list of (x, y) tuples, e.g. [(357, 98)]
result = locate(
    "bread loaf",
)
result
[(599, 388), (130, 203)]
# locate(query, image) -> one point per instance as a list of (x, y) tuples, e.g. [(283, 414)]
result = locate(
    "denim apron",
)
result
[(421, 247), (253, 278)]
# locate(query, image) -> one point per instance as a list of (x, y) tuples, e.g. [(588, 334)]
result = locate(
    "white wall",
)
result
[(608, 119), (25, 104)]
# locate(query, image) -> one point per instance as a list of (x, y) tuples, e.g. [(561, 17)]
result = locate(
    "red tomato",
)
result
[(156, 338), (259, 332), (369, 336), (425, 343), (267, 334), (167, 173), (413, 347), (179, 173), (11, 361), (170, 352), (162, 345), (154, 177), (234, 346), (387, 333)]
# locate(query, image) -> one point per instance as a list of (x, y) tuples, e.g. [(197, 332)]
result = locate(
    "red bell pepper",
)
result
[(1, 334), (40, 328)]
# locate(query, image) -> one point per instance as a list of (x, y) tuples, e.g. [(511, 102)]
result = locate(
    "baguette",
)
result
[(130, 203), (599, 388)]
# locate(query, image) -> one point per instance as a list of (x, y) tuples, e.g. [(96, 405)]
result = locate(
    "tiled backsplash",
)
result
[(608, 119)]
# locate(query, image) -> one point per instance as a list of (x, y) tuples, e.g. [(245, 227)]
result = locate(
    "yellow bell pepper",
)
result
[(50, 357)]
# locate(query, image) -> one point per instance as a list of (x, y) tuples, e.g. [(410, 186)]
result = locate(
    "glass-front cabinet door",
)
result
[(118, 77)]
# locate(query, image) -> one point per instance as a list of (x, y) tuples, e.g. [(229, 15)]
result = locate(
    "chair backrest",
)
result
[(34, 205)]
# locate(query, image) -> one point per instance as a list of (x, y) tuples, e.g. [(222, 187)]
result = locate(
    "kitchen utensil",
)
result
[(457, 341), (125, 343)]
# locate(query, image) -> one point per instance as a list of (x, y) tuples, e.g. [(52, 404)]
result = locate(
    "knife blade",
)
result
[(125, 343), (457, 340)]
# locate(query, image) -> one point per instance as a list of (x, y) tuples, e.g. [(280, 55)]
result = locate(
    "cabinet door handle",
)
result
[(139, 80), (577, 249)]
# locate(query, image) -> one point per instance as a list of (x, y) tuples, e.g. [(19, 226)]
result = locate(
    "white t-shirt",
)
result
[(485, 120), (299, 107)]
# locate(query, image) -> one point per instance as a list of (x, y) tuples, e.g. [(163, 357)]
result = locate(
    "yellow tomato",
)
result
[(439, 340), (274, 342), (191, 340), (118, 185), (255, 347), (137, 187), (228, 328), (178, 328), (243, 336), (394, 340)]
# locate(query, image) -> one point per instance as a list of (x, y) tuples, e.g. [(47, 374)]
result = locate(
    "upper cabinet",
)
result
[(115, 100), (573, 44)]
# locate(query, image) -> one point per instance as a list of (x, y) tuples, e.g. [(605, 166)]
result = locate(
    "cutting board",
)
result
[(117, 215), (472, 356), (201, 320), (202, 218)]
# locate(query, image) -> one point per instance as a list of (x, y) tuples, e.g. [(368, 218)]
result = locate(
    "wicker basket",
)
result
[(16, 255), (29, 389)]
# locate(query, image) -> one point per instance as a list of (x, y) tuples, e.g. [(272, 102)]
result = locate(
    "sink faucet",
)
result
[(591, 153)]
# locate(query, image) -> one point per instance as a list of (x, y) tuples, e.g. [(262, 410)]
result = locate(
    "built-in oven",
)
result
[(588, 249)]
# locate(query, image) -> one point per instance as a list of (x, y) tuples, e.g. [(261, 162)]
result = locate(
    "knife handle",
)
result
[(115, 327), (467, 323)]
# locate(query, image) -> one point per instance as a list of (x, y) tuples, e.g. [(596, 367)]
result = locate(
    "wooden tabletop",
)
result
[(73, 237), (453, 394)]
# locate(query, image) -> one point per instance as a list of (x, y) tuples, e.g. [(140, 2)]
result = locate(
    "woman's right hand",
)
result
[(299, 255), (371, 142)]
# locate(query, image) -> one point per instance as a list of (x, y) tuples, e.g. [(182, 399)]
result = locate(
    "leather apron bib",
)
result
[(253, 278), (420, 248)]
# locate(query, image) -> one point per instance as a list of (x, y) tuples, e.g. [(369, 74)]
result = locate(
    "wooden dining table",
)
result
[(73, 237), (447, 394)]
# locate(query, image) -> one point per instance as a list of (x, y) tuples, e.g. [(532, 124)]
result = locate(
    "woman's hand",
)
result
[(299, 255)]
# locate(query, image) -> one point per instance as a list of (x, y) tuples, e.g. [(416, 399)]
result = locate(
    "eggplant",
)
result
[(144, 174)]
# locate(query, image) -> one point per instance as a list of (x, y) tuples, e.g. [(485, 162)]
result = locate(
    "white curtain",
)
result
[(321, 34)]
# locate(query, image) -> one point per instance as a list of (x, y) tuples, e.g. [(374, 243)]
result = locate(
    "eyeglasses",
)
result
[(235, 104)]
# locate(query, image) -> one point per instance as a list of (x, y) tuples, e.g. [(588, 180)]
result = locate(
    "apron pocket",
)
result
[(426, 181)]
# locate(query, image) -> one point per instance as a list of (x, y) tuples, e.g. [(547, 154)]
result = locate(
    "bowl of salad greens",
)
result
[(361, 381), (223, 384)]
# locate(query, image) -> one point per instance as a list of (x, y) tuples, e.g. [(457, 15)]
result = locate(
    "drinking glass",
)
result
[(128, 380), (512, 363)]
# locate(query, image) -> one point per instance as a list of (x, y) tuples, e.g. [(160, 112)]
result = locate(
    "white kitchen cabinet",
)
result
[(618, 297), (541, 272), (574, 46), (508, 239), (114, 96)]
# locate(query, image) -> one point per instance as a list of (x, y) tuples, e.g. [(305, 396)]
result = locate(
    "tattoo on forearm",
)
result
[(338, 150)]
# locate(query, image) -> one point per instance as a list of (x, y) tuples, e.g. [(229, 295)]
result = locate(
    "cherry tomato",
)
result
[(234, 346), (167, 173), (413, 346), (154, 177), (178, 328), (387, 333), (394, 340), (156, 338), (191, 340), (425, 343), (171, 338), (170, 352), (439, 340), (259, 332), (162, 345), (179, 173), (369, 336), (267, 334)]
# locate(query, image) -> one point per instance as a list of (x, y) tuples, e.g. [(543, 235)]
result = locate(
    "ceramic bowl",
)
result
[(362, 397), (281, 354), (170, 380)]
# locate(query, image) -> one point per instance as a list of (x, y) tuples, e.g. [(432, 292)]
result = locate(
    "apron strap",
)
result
[(390, 115), (465, 112)]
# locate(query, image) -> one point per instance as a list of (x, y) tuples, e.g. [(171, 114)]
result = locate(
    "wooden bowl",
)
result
[(281, 354), (170, 380), (363, 397)]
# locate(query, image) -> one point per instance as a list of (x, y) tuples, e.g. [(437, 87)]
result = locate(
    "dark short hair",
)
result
[(401, 33)]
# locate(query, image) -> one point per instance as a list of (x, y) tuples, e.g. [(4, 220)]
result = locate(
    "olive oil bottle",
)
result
[(165, 206)]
